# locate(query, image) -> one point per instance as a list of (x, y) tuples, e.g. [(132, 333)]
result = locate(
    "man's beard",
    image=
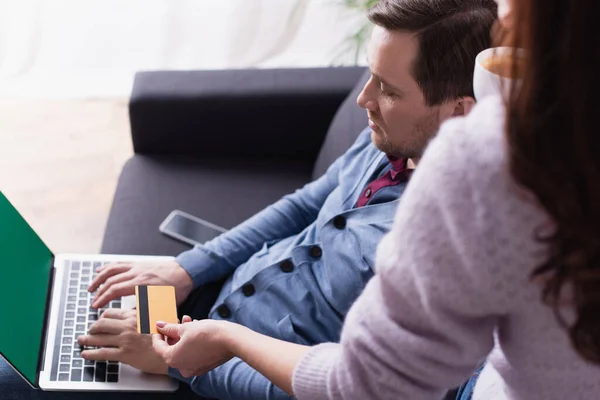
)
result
[(423, 131)]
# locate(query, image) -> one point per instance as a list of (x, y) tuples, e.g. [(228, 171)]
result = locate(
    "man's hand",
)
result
[(117, 280), (116, 335), (193, 348)]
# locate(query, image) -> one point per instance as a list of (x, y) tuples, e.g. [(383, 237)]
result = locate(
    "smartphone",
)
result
[(189, 229)]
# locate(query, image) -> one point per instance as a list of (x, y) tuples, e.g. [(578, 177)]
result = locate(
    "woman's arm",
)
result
[(219, 341), (273, 358)]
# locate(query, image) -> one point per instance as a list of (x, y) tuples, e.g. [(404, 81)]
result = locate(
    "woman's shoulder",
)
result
[(474, 147), (478, 137)]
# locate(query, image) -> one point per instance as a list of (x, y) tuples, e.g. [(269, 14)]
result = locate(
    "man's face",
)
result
[(401, 121)]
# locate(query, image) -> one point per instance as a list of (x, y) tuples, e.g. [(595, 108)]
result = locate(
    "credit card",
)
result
[(155, 303)]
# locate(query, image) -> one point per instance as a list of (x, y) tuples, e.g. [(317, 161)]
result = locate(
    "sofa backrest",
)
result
[(349, 121)]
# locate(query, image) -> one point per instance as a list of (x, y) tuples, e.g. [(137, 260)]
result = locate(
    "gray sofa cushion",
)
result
[(150, 187), (348, 122)]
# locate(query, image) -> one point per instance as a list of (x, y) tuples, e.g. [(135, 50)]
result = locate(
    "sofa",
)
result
[(222, 145)]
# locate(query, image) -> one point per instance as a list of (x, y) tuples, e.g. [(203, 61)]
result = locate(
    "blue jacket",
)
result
[(297, 266)]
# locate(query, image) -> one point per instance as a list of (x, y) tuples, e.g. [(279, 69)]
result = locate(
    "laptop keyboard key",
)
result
[(71, 306), (65, 358), (112, 378), (67, 340), (88, 374), (91, 317), (89, 363), (77, 363), (76, 375), (113, 368), (100, 372), (68, 332), (80, 328), (81, 319), (65, 368), (63, 377)]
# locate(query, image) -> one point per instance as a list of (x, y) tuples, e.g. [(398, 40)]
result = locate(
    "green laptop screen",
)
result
[(25, 264)]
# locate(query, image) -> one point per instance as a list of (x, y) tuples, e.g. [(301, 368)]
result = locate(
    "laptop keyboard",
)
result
[(76, 319)]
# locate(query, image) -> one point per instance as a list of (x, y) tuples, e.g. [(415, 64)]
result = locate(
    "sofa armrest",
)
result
[(277, 113)]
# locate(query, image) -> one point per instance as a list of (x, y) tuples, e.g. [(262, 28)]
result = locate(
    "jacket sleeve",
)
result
[(234, 380), (288, 216)]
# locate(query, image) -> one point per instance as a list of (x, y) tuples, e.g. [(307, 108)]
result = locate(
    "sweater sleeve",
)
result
[(426, 321)]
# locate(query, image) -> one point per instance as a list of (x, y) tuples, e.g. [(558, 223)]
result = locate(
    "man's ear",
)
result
[(463, 106)]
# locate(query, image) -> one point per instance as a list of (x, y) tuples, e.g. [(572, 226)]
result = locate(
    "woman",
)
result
[(502, 262)]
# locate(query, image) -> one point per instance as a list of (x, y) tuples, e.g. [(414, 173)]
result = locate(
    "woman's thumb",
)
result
[(169, 330)]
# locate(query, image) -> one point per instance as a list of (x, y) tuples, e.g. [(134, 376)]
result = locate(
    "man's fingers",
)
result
[(103, 267), (186, 319), (161, 347), (113, 280), (100, 340), (107, 272), (103, 354), (115, 291), (118, 313), (107, 325)]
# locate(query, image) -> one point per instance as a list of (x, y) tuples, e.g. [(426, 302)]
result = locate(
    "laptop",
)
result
[(45, 306)]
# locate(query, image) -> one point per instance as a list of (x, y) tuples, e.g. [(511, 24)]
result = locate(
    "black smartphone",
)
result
[(189, 229)]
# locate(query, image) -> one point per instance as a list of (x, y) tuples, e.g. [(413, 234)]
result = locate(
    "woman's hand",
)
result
[(194, 347)]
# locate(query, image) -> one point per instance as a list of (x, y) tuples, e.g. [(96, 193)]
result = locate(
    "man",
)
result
[(293, 270)]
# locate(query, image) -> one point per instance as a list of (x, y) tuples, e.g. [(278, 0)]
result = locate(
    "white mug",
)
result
[(485, 82)]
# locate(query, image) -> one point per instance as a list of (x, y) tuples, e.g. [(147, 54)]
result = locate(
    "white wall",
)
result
[(83, 48)]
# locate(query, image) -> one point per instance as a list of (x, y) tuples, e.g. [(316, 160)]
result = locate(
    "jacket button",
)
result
[(339, 222), (224, 311), (316, 252), (287, 266), (248, 289), (368, 193)]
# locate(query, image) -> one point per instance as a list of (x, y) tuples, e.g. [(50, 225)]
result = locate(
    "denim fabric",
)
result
[(293, 270), (466, 391)]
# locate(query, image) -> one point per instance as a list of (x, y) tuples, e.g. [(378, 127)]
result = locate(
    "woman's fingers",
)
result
[(162, 348)]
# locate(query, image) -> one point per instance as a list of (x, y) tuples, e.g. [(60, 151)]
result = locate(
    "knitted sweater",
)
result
[(453, 289)]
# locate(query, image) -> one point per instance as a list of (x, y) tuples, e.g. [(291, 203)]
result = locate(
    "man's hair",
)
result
[(450, 33)]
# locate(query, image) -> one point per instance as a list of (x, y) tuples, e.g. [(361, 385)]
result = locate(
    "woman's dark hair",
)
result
[(554, 147), (450, 32)]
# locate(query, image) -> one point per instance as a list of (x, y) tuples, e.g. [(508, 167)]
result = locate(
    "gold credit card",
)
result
[(155, 303)]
